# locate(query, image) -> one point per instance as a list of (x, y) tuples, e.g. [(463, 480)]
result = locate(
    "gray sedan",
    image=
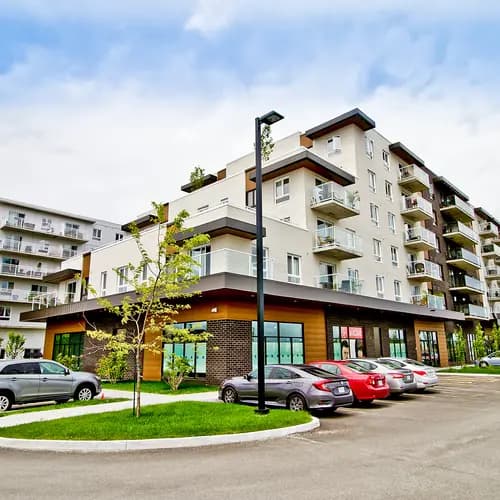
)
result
[(493, 359), (297, 387)]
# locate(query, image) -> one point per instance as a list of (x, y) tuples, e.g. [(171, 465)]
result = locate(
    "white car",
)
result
[(425, 376)]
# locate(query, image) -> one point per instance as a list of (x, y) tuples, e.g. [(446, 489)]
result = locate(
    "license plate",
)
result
[(407, 379), (341, 390)]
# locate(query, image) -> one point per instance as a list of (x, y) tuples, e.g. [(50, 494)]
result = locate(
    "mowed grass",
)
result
[(491, 370), (187, 387), (54, 406), (182, 419)]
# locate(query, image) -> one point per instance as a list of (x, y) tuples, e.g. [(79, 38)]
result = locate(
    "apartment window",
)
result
[(334, 145), (96, 234), (70, 292), (4, 313), (68, 344), (397, 290), (69, 250), (293, 262), (144, 273), (72, 230), (369, 147), (122, 273), (377, 250), (372, 181), (47, 224), (374, 214), (388, 190), (118, 236), (348, 342), (282, 190), (379, 284), (253, 262), (251, 200), (201, 256), (327, 275), (104, 283), (394, 256), (391, 222), (385, 158)]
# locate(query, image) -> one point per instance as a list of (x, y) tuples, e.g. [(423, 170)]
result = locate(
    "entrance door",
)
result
[(429, 348)]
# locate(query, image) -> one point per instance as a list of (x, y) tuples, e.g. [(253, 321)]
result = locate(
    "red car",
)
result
[(365, 385)]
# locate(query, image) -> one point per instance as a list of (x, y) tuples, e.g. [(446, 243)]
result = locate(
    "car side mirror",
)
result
[(66, 371), (248, 377)]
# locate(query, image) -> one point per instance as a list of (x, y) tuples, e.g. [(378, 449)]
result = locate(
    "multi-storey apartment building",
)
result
[(34, 241), (364, 255)]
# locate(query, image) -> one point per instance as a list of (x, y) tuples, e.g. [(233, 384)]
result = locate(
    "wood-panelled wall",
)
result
[(434, 326), (55, 327)]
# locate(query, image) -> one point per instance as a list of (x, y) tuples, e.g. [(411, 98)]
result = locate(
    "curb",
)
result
[(468, 374), (154, 444)]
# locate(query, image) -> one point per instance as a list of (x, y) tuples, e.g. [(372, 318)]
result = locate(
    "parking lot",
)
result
[(442, 444)]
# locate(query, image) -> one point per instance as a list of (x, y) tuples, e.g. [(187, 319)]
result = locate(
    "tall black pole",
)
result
[(260, 272)]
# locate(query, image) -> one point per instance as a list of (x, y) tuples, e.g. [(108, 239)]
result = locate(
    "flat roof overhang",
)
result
[(60, 276), (487, 216), (191, 186), (406, 154), (353, 117), (451, 187), (232, 285), (224, 225), (306, 159)]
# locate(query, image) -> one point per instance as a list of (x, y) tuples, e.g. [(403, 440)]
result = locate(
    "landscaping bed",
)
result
[(488, 370)]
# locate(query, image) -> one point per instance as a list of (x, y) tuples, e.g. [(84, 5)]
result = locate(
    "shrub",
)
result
[(176, 368), (113, 366), (479, 342), (15, 345), (460, 346), (70, 361)]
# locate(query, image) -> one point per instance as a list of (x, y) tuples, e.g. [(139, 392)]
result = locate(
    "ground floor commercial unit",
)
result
[(302, 324)]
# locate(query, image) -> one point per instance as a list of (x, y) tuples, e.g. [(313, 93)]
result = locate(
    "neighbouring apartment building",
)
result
[(34, 241), (367, 253)]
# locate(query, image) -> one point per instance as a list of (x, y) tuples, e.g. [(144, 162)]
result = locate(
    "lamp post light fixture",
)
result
[(267, 119)]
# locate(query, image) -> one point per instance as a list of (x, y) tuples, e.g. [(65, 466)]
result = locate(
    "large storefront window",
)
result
[(348, 342), (451, 343), (68, 344), (429, 347), (283, 343), (397, 343), (194, 352)]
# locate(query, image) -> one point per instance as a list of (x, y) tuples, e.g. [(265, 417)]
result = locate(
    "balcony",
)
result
[(339, 283), (493, 294), (492, 273), (456, 208), (50, 299), (416, 208), (423, 270), (30, 248), (463, 259), (418, 238), (334, 200), (15, 295), (20, 271), (467, 284), (460, 234), (472, 311), (435, 302), (413, 178), (43, 229), (337, 243), (488, 230), (490, 250)]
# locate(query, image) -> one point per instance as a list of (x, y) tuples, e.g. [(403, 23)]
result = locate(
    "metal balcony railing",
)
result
[(22, 271), (424, 268), (418, 233), (331, 191), (410, 171), (416, 202), (340, 283), (337, 237)]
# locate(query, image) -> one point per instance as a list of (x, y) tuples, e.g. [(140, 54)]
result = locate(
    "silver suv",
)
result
[(30, 380)]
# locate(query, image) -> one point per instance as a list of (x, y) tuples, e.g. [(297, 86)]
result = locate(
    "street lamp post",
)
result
[(267, 119)]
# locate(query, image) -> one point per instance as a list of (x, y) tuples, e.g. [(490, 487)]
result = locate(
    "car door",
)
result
[(248, 389), (24, 379), (54, 380), (282, 383), (495, 359)]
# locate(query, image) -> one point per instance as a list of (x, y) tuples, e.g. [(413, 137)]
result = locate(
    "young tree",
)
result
[(479, 342), (460, 346), (14, 347), (148, 317), (266, 142), (196, 177)]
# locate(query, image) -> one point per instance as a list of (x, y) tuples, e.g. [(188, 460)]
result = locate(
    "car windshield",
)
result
[(367, 365), (356, 367), (318, 372), (390, 364), (414, 362)]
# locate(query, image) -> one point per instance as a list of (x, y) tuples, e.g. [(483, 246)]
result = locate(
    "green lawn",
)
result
[(187, 387), (492, 370), (186, 418), (54, 406)]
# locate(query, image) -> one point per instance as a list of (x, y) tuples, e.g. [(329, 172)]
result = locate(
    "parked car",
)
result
[(366, 385), (297, 387), (425, 375), (492, 359), (398, 379), (30, 380)]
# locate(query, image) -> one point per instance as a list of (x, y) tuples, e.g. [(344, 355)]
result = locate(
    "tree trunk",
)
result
[(138, 383)]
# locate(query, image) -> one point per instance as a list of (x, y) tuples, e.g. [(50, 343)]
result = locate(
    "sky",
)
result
[(106, 106)]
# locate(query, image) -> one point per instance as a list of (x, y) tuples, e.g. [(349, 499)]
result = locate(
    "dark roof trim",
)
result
[(207, 179), (353, 117), (486, 215), (228, 282), (445, 182), (306, 159), (406, 154), (224, 225), (59, 276), (140, 222)]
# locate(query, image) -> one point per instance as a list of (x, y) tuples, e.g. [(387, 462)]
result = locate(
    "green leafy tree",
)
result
[(266, 142), (70, 361), (460, 346), (196, 177), (148, 314), (113, 366), (479, 343), (495, 334), (175, 369), (14, 348)]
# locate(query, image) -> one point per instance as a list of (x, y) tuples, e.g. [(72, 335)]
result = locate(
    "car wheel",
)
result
[(5, 402), (84, 393), (296, 403), (229, 395), (483, 364)]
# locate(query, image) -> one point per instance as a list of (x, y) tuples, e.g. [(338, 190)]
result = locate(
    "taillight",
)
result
[(321, 385), (372, 379), (420, 372), (395, 374)]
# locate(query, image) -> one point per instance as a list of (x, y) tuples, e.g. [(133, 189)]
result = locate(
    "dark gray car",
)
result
[(297, 387), (33, 380)]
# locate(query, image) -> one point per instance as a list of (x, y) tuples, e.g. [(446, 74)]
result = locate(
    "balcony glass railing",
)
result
[(418, 233), (424, 268), (472, 310), (431, 301), (32, 248), (493, 271), (494, 293), (459, 227), (488, 227), (340, 283), (409, 171), (14, 295), (453, 200), (463, 253), (466, 281), (50, 299), (331, 191), (416, 202), (491, 248), (336, 237), (22, 271)]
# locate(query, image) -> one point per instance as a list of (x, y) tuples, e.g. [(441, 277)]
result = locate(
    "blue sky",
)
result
[(108, 105)]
